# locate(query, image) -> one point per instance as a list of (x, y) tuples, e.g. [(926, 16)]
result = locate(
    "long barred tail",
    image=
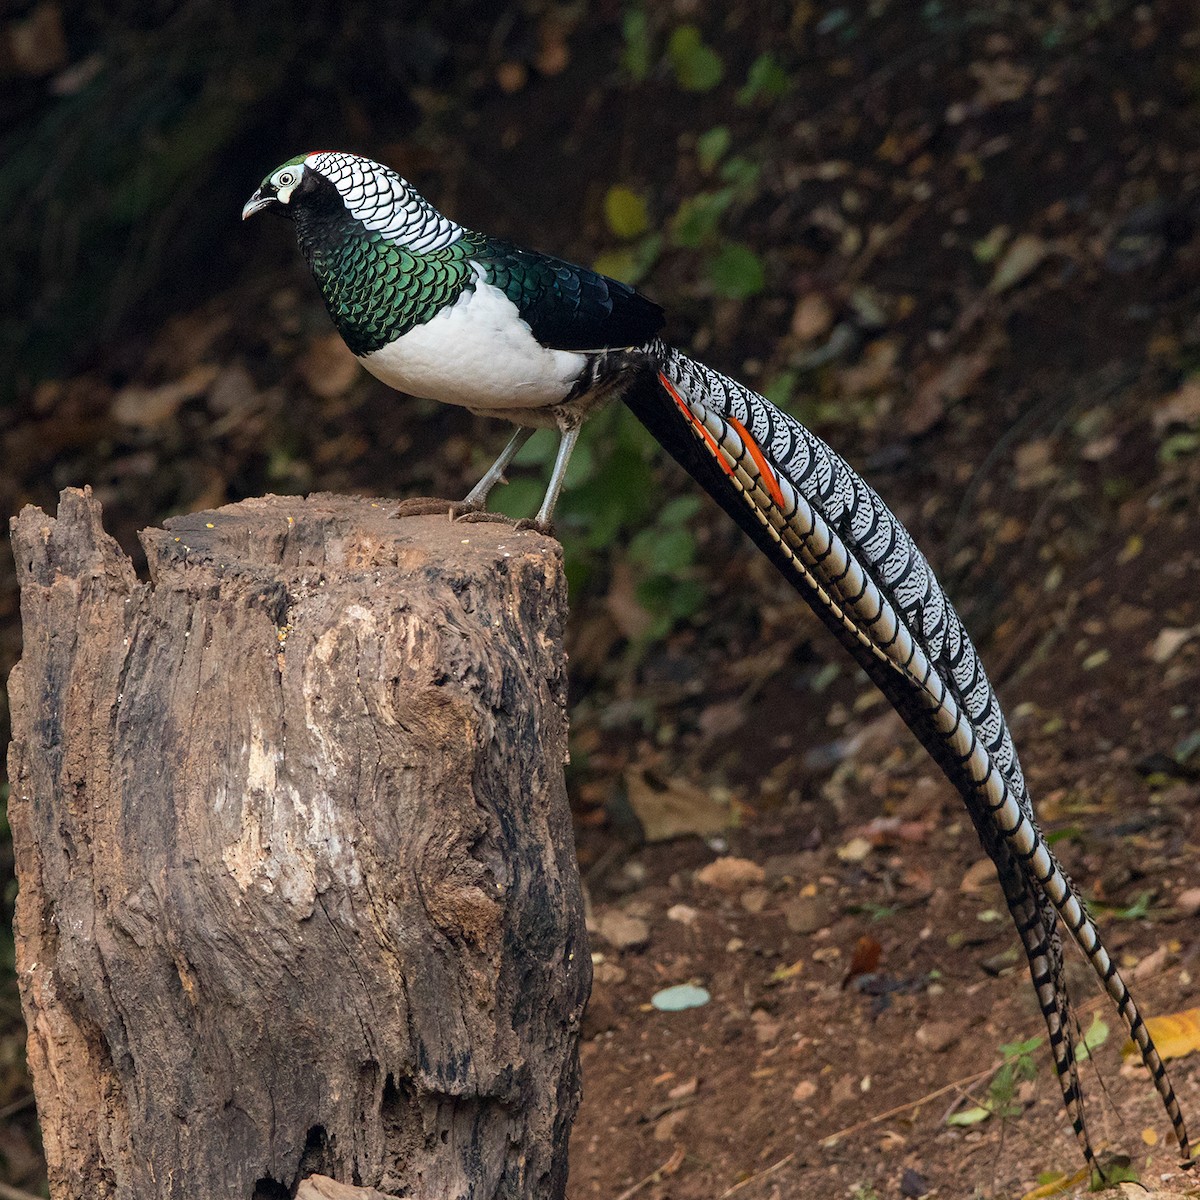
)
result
[(855, 563)]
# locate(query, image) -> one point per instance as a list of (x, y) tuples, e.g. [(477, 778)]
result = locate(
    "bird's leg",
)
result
[(570, 435), (476, 498)]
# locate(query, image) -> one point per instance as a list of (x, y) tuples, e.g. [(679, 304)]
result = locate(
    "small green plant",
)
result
[(766, 80), (638, 50), (1017, 1067), (697, 66)]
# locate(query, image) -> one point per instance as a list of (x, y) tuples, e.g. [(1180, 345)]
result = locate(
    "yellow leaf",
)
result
[(625, 212), (1058, 1185), (1150, 1137), (783, 973), (1175, 1035)]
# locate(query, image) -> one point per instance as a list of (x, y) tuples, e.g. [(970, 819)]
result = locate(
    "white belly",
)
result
[(477, 353)]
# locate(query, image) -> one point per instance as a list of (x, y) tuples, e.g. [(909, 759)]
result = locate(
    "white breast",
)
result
[(477, 353)]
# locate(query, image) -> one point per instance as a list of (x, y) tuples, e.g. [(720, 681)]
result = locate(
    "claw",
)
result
[(424, 506)]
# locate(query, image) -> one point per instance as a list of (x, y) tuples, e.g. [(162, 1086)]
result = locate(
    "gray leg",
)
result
[(569, 438), (477, 496)]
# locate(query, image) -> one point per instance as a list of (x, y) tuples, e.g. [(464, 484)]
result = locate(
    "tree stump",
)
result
[(298, 894)]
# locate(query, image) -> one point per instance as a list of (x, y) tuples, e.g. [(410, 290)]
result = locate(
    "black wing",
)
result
[(569, 307)]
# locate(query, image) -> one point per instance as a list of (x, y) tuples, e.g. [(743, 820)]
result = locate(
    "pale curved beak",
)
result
[(256, 203)]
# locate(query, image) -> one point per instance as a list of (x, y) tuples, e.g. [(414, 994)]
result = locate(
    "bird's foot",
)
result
[(479, 515), (425, 506)]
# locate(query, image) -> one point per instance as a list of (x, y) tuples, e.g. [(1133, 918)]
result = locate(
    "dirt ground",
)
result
[(981, 254)]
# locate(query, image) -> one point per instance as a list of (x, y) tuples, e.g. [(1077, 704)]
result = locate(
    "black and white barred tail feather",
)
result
[(855, 563)]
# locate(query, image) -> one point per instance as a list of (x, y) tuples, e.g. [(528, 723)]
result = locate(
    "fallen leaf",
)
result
[(1058, 1183), (812, 318), (147, 407), (867, 953), (1169, 642), (1182, 407), (674, 808), (328, 368), (1024, 255), (1175, 1035), (978, 876)]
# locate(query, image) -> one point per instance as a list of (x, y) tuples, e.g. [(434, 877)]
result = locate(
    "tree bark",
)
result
[(298, 895)]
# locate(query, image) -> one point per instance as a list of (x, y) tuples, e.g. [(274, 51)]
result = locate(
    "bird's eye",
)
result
[(286, 178)]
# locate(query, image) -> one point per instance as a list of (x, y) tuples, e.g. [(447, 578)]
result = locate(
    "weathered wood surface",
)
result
[(298, 895)]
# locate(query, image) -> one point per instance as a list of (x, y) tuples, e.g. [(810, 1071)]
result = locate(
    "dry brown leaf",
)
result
[(867, 953), (1180, 408), (328, 367), (978, 876), (674, 808)]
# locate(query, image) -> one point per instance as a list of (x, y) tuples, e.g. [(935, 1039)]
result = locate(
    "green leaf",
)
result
[(696, 220), (1118, 1170), (765, 80), (636, 55), (679, 511), (969, 1116), (698, 67), (782, 388), (521, 498), (741, 172), (1095, 1037), (712, 146), (665, 550), (630, 263), (1136, 911), (625, 212), (737, 272)]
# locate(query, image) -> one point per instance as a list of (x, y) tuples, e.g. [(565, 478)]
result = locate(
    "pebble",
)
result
[(622, 931), (729, 874), (806, 914), (1189, 902), (938, 1036)]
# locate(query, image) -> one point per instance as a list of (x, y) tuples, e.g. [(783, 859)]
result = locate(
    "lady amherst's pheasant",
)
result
[(436, 310)]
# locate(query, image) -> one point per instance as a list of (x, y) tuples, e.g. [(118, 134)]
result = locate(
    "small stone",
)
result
[(622, 931), (806, 914), (607, 972), (685, 914), (804, 1091), (855, 850), (754, 899), (938, 1036), (766, 1027), (1189, 902), (729, 874)]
